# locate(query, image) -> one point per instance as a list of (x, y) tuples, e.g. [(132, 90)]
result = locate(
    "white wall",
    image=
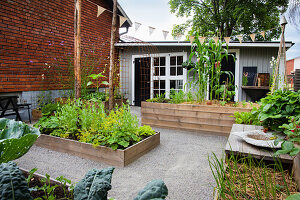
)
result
[(297, 63)]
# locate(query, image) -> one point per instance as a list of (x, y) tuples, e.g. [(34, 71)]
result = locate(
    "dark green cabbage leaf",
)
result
[(12, 183), (154, 190), (95, 185)]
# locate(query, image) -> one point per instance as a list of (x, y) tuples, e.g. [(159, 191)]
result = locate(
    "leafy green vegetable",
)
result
[(155, 190), (145, 131), (293, 197), (246, 118), (16, 138), (48, 109), (12, 183), (95, 185), (276, 108)]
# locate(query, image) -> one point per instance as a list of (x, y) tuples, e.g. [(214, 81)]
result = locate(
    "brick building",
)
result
[(37, 39)]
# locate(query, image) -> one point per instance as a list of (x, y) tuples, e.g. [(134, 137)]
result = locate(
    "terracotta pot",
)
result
[(36, 114), (209, 103)]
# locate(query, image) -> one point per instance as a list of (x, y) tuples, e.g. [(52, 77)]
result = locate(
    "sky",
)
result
[(156, 13)]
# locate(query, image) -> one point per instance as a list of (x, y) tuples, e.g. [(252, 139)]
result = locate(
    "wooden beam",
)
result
[(77, 45), (112, 56)]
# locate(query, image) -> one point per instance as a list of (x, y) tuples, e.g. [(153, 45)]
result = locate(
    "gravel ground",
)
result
[(181, 161)]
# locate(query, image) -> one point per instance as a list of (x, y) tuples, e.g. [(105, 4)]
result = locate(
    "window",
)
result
[(167, 74)]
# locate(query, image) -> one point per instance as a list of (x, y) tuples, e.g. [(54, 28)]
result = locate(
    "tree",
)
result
[(229, 17)]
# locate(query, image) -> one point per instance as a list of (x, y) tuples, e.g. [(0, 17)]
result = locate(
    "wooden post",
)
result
[(112, 56), (77, 44)]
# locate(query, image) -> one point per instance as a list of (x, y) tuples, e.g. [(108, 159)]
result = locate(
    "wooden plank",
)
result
[(141, 148), (194, 107), (224, 130), (193, 120), (99, 153), (296, 169), (185, 113)]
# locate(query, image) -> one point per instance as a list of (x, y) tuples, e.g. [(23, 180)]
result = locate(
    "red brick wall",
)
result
[(289, 66), (36, 42)]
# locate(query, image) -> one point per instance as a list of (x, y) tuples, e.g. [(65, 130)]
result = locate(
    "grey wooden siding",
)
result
[(259, 57), (249, 56)]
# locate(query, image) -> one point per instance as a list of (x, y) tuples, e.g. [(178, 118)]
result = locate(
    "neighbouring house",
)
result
[(150, 68), (294, 64), (37, 40)]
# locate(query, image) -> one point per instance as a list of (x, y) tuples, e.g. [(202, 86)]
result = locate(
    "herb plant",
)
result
[(88, 122)]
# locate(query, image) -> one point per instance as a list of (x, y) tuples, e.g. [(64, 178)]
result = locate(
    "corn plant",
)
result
[(207, 70)]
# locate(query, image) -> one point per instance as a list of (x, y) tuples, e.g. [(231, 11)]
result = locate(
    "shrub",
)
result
[(276, 108)]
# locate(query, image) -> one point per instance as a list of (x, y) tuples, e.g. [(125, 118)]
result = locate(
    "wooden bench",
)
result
[(9, 106)]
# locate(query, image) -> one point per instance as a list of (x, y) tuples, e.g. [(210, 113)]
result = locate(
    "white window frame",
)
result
[(166, 78)]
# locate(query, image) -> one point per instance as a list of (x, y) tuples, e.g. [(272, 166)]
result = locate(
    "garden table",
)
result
[(9, 106)]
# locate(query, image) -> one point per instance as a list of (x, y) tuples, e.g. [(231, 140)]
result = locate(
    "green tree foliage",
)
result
[(229, 17)]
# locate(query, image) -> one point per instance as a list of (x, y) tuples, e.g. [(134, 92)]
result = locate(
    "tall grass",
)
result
[(247, 178)]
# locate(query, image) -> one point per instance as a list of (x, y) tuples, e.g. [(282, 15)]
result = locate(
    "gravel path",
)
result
[(181, 161)]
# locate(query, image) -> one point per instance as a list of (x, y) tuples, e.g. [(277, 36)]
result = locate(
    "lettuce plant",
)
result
[(16, 138)]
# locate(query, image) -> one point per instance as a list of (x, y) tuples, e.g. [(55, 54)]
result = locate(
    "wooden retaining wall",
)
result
[(190, 117), (118, 157)]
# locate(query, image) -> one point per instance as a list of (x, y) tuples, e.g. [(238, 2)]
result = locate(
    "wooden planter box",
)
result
[(237, 146), (119, 158), (190, 117)]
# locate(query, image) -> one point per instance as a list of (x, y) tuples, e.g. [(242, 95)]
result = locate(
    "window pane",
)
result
[(156, 71), (172, 84), (173, 60), (179, 60), (180, 84), (162, 92), (172, 71), (179, 71), (162, 61), (156, 84), (156, 61), (162, 84), (155, 93), (162, 71)]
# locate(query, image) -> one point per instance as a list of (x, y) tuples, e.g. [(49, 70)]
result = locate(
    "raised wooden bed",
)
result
[(237, 146), (190, 117), (117, 157)]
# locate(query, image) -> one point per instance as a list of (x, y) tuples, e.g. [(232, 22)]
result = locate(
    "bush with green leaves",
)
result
[(292, 131), (276, 108), (16, 138), (88, 122), (48, 109)]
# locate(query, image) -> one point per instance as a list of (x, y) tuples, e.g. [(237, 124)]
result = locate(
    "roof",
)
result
[(288, 44), (121, 12), (298, 57)]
